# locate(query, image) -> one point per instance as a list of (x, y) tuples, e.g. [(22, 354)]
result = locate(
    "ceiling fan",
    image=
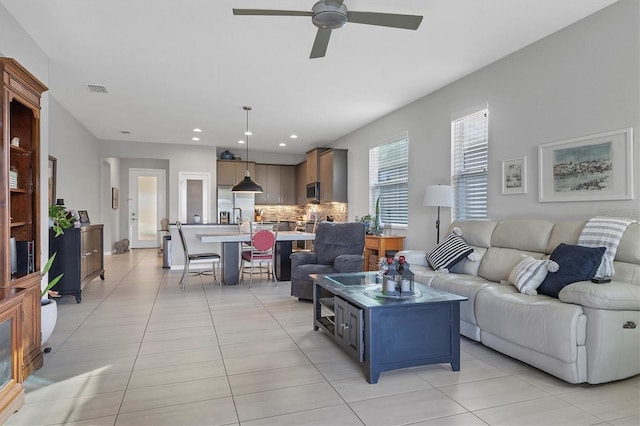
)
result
[(329, 15)]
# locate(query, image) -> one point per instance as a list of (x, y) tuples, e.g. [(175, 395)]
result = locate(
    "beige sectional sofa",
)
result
[(588, 334)]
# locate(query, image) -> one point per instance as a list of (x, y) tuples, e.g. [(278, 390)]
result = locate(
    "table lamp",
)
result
[(438, 196)]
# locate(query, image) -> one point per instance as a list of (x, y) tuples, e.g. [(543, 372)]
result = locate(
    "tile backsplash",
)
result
[(339, 211)]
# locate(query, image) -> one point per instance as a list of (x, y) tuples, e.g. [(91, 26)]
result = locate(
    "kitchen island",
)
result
[(231, 239)]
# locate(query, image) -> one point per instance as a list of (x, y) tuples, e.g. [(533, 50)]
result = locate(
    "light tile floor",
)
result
[(140, 351)]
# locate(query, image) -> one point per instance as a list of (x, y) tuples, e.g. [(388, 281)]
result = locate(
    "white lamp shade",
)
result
[(438, 195)]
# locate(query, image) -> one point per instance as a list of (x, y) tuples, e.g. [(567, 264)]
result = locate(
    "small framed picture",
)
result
[(514, 176), (114, 198), (84, 217)]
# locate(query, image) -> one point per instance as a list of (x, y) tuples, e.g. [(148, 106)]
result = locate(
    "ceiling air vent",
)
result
[(96, 88)]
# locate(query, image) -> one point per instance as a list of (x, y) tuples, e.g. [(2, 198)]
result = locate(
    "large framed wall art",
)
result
[(589, 168)]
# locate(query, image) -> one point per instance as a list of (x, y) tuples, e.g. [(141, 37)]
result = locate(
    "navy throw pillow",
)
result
[(577, 263)]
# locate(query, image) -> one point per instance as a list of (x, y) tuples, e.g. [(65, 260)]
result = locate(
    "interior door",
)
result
[(147, 206)]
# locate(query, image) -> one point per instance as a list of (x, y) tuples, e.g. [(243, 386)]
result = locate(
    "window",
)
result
[(469, 142), (389, 180)]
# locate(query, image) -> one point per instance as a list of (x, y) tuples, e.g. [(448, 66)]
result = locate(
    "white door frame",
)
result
[(161, 175), (205, 177)]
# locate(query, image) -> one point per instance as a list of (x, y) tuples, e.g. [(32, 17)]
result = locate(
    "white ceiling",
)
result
[(170, 66)]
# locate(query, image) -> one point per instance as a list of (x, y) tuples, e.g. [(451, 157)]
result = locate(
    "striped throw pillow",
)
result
[(529, 273), (449, 252)]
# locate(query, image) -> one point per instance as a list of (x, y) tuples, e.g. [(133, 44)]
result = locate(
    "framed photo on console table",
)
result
[(589, 168), (514, 176), (84, 217)]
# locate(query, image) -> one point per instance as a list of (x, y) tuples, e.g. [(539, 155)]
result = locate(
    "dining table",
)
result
[(231, 252)]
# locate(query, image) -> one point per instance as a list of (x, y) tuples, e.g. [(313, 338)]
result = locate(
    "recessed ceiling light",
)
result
[(241, 141), (248, 133), (282, 144), (195, 138), (294, 136), (197, 129)]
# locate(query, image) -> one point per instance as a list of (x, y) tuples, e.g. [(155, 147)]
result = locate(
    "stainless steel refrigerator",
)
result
[(238, 205)]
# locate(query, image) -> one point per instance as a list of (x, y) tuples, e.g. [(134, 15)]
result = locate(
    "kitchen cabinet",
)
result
[(80, 258), (272, 187), (313, 165), (333, 176), (278, 184), (261, 179), (230, 172), (301, 183), (288, 185)]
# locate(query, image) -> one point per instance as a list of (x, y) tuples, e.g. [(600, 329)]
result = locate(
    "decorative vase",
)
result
[(196, 218), (48, 318)]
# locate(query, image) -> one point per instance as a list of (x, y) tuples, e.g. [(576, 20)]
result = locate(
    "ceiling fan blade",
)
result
[(270, 12), (408, 22), (320, 43)]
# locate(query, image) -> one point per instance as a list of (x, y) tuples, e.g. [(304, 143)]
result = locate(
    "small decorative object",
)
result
[(226, 155), (196, 218), (377, 229), (15, 141), (397, 278), (84, 217), (121, 246)]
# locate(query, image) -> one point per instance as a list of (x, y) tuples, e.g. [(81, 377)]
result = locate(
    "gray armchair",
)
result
[(338, 248)]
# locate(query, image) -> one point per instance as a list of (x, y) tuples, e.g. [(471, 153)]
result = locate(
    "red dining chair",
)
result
[(259, 258)]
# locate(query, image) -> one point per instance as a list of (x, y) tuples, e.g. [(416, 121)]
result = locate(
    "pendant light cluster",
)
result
[(246, 185)]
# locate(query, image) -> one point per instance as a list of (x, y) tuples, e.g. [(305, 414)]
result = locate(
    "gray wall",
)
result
[(582, 80)]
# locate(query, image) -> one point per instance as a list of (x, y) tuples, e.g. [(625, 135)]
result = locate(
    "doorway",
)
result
[(147, 206), (193, 193)]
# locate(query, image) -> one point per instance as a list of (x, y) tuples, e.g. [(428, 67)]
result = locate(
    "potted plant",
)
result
[(59, 220)]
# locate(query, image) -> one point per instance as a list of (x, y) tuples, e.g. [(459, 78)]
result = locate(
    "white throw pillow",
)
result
[(529, 273)]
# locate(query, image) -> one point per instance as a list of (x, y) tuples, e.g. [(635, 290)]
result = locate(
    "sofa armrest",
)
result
[(613, 296), (302, 258), (348, 263), (414, 257)]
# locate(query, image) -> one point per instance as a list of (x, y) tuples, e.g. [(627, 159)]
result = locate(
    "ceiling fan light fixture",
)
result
[(329, 16)]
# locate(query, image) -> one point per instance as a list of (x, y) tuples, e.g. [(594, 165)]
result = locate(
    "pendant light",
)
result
[(246, 185)]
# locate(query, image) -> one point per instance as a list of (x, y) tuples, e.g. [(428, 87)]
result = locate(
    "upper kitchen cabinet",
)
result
[(230, 172), (313, 165), (333, 176), (301, 183), (278, 183), (288, 185)]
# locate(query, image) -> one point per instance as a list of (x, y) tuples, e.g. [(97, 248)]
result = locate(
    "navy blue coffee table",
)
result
[(387, 333)]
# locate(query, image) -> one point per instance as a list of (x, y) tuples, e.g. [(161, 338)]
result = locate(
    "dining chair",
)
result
[(188, 257), (259, 258)]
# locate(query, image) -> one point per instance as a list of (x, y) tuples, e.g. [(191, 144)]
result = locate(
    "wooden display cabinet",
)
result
[(20, 219)]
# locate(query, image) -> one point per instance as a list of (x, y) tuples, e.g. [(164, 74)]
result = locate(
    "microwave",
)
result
[(313, 192)]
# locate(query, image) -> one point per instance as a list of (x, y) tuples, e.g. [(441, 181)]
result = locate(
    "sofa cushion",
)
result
[(539, 323), (449, 252), (614, 296), (577, 263), (468, 266), (497, 263), (529, 273), (462, 285), (476, 232), (567, 231), (526, 235)]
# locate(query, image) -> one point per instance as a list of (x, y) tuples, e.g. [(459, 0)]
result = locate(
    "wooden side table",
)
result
[(375, 246)]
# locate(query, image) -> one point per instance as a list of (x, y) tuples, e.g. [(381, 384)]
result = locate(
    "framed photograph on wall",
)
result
[(514, 176), (114, 198), (84, 217), (589, 168)]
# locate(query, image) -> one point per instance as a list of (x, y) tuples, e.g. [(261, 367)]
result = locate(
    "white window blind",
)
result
[(470, 146), (389, 179)]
